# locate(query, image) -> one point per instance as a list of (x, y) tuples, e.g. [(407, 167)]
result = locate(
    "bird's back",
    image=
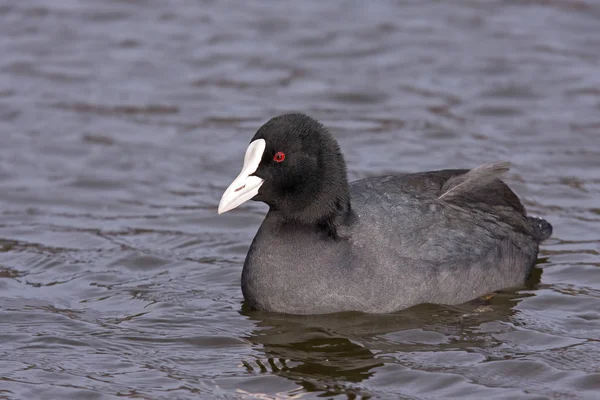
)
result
[(442, 249)]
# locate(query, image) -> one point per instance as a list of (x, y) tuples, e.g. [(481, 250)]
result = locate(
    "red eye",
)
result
[(279, 156)]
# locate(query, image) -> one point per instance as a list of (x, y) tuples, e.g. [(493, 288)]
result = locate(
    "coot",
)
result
[(379, 244)]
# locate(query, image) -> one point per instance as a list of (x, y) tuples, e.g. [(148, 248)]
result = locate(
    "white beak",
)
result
[(244, 187)]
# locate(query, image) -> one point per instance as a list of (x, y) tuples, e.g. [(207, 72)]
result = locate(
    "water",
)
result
[(121, 122)]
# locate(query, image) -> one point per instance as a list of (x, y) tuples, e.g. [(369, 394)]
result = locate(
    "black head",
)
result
[(302, 172)]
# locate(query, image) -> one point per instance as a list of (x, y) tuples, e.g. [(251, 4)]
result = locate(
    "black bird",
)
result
[(379, 244)]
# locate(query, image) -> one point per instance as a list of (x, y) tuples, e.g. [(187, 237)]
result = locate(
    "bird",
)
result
[(379, 244)]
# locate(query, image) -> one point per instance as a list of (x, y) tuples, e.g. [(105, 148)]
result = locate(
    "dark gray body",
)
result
[(404, 246)]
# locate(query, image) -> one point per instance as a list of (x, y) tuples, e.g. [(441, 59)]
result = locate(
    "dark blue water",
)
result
[(121, 123)]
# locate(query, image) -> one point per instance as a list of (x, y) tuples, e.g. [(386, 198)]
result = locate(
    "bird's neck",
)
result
[(326, 214)]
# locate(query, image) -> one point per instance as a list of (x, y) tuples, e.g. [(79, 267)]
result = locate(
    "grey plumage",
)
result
[(405, 247), (472, 180), (380, 244)]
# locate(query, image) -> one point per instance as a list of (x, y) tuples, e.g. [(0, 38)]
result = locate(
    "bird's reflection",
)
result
[(330, 353)]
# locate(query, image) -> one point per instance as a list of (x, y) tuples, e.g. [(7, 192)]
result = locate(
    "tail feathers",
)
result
[(462, 185), (542, 229)]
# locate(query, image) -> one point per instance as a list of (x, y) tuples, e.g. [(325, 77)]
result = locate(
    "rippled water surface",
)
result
[(122, 121)]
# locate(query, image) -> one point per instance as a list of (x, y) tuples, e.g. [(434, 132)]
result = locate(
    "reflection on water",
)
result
[(320, 351), (121, 122)]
